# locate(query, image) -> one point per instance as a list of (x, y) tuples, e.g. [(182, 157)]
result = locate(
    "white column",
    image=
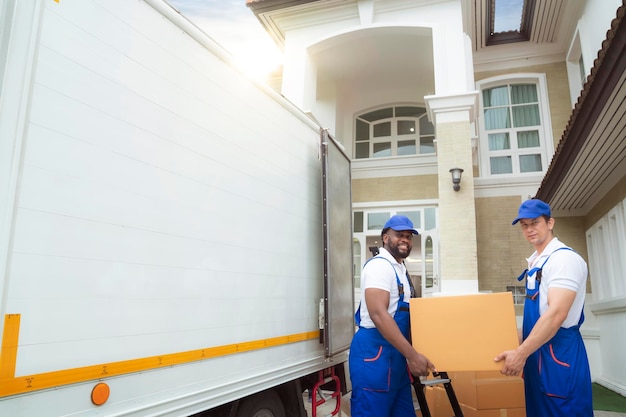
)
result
[(299, 74), (452, 116)]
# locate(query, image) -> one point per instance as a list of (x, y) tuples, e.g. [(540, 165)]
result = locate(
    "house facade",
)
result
[(419, 90)]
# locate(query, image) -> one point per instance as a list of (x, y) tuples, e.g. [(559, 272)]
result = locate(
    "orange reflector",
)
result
[(100, 393)]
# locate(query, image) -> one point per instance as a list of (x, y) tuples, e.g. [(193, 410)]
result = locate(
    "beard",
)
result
[(399, 251)]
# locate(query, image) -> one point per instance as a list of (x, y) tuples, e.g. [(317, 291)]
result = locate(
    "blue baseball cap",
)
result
[(400, 223), (531, 209)]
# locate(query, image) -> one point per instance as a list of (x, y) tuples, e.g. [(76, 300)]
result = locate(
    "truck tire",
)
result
[(265, 404)]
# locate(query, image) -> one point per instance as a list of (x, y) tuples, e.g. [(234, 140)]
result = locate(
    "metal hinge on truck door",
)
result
[(321, 319)]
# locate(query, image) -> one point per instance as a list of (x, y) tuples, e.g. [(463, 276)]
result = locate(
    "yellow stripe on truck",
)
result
[(11, 385), (8, 353)]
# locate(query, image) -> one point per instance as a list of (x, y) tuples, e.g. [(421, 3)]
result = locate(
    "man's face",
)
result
[(537, 231), (398, 243)]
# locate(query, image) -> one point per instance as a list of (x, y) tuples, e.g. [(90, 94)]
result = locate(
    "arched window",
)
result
[(393, 131)]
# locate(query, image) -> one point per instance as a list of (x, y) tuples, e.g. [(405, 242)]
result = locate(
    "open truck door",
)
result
[(338, 302)]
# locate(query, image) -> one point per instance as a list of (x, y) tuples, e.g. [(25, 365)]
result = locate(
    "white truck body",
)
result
[(161, 219)]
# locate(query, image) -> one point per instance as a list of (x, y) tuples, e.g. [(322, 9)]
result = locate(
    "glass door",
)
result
[(422, 264), (431, 266)]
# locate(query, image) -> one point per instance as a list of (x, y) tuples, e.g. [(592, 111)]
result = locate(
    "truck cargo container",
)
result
[(175, 238)]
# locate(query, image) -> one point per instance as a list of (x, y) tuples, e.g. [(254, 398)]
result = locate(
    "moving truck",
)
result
[(175, 238)]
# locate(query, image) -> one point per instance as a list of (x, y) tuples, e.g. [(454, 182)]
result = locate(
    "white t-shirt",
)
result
[(379, 274), (565, 269)]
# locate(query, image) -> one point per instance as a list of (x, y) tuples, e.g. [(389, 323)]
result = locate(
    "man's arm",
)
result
[(377, 301), (560, 301)]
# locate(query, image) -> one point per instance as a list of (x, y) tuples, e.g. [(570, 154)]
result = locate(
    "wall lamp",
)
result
[(456, 178)]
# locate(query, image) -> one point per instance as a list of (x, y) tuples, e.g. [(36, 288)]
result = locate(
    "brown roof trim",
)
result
[(606, 72)]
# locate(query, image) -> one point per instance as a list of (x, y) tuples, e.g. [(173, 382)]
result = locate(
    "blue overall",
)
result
[(381, 382), (557, 379)]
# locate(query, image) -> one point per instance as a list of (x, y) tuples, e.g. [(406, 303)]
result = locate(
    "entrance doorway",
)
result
[(422, 264)]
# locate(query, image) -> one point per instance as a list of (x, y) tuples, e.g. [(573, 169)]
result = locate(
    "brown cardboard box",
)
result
[(438, 402), (488, 390), (494, 390), (345, 405), (464, 332), (500, 412), (483, 394), (464, 385)]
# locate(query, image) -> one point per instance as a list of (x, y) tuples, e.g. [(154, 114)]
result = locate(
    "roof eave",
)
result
[(606, 72)]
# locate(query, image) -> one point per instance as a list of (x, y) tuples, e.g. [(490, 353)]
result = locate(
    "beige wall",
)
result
[(558, 92), (610, 200), (501, 247), (415, 187), (573, 232)]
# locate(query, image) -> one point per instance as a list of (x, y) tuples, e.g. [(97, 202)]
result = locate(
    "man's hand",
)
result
[(377, 303), (514, 362), (420, 365), (559, 302)]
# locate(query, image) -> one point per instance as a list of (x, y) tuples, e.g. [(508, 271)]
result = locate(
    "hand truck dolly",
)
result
[(441, 378)]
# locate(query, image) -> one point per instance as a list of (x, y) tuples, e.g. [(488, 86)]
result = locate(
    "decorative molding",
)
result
[(613, 306), (394, 167), (465, 103)]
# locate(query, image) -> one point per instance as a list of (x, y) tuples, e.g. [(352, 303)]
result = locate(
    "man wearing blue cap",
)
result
[(552, 355), (381, 355)]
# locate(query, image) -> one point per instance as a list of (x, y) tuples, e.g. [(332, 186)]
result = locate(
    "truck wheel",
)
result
[(265, 404)]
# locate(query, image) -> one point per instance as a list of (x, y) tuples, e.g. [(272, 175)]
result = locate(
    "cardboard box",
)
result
[(488, 390), (499, 391), (438, 402), (502, 412), (484, 394), (345, 405), (464, 385), (464, 332)]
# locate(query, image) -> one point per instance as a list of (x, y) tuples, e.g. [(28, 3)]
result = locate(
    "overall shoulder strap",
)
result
[(379, 257), (539, 268), (357, 315), (556, 250), (388, 261)]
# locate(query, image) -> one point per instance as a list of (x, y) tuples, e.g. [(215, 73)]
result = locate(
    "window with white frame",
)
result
[(514, 126), (606, 244), (393, 131), (519, 293), (576, 69)]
